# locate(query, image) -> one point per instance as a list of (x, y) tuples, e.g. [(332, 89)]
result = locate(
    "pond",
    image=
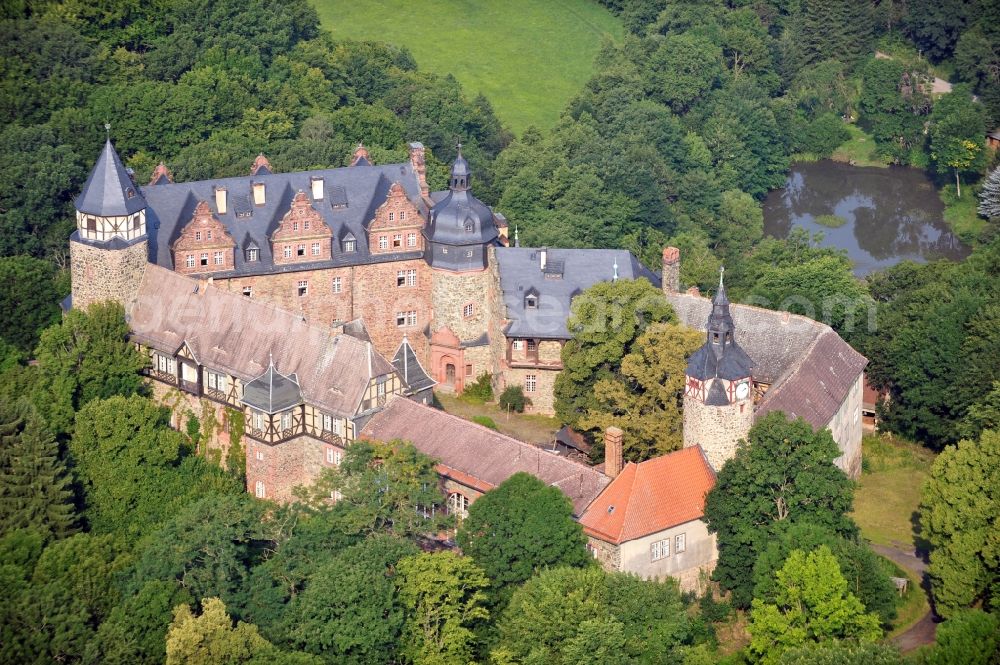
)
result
[(892, 214)]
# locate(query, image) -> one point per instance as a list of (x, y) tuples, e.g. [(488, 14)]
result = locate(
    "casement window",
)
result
[(209, 234), (402, 215), (259, 455), (166, 364), (468, 310), (217, 381), (532, 345), (468, 370), (531, 302), (350, 245), (259, 490), (257, 421), (219, 259), (300, 250), (305, 225), (295, 226), (315, 249), (406, 278), (517, 345), (204, 259), (197, 235), (406, 318), (303, 287), (287, 251), (391, 216), (458, 505), (189, 261), (530, 383), (286, 420), (659, 549), (336, 495), (679, 542), (411, 239), (248, 291), (383, 242), (327, 422), (91, 225), (397, 241), (253, 254), (336, 285), (330, 457)]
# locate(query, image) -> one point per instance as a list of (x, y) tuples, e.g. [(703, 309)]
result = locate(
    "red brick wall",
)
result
[(284, 466)]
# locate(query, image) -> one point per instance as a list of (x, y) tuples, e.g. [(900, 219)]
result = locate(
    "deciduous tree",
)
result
[(959, 510), (518, 528), (784, 471), (956, 134), (812, 604)]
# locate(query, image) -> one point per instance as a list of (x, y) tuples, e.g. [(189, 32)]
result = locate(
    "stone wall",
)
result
[(212, 416), (605, 553), (543, 398), (717, 429), (106, 274), (284, 466), (451, 292), (846, 427), (368, 291)]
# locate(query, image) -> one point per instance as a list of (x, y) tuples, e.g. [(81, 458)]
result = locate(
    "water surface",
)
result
[(893, 214)]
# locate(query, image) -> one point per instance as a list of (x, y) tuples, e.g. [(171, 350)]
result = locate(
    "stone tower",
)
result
[(460, 233), (109, 249), (718, 396)]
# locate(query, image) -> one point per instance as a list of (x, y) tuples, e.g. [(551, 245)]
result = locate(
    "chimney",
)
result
[(317, 188), (671, 270), (419, 167), (542, 255), (694, 291), (258, 193), (613, 451), (220, 200)]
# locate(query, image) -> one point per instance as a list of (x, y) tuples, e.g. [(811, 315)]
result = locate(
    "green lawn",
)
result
[(859, 148), (960, 213), (888, 494), (525, 427), (529, 57)]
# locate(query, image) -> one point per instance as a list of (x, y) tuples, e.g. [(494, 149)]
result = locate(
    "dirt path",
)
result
[(923, 631), (940, 85)]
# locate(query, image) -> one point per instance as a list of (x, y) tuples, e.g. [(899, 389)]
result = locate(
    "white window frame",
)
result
[(248, 291), (314, 249), (530, 383), (287, 251), (219, 258), (336, 284), (259, 490), (286, 420), (383, 242), (302, 287), (411, 239), (680, 542), (469, 310), (517, 345)]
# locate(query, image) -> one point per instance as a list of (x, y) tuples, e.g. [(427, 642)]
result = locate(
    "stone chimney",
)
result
[(543, 255), (671, 270), (221, 203), (258, 194), (694, 291), (419, 167), (317, 188), (613, 451)]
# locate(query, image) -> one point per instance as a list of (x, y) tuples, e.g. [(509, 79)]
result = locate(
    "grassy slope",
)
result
[(529, 57)]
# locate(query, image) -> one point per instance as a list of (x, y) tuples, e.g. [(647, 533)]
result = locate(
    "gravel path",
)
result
[(924, 631)]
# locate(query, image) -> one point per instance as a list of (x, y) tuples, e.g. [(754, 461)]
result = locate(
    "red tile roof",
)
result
[(651, 496), (479, 457)]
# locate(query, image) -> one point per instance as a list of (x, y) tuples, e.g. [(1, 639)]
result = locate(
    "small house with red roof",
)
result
[(649, 520)]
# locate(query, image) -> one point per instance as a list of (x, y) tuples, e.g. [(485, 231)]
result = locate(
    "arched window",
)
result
[(458, 505)]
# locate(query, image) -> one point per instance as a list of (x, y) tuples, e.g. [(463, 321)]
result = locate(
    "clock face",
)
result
[(742, 390)]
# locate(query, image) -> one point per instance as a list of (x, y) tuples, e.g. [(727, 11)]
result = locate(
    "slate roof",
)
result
[(109, 190), (651, 496), (407, 366), (238, 335), (520, 271), (479, 455), (809, 367), (272, 391), (722, 358), (351, 196)]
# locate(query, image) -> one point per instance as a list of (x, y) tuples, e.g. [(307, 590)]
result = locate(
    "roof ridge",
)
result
[(756, 308)]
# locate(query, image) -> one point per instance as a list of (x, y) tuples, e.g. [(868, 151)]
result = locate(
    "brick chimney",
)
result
[(671, 270), (613, 451), (419, 167)]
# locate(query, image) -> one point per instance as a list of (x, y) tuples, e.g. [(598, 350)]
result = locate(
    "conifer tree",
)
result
[(35, 486), (989, 198)]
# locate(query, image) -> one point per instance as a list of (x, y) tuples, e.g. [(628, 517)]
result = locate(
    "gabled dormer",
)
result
[(302, 235), (204, 245), (397, 224), (531, 298)]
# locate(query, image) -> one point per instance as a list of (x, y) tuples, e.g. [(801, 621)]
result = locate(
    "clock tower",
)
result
[(718, 402)]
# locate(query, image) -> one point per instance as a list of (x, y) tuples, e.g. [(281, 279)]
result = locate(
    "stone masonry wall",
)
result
[(716, 428), (451, 292), (284, 466), (369, 292), (543, 398), (106, 274), (606, 554)]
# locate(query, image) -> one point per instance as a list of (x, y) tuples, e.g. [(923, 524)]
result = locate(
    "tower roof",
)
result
[(109, 190), (272, 391), (460, 218), (460, 167), (720, 356)]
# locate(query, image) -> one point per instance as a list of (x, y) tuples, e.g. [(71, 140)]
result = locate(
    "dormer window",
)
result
[(350, 245), (715, 338), (468, 227), (253, 254), (531, 301), (130, 193)]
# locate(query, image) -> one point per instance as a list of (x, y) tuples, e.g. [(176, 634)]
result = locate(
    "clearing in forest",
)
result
[(528, 57)]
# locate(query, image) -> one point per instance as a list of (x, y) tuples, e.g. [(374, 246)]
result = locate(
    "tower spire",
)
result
[(722, 271)]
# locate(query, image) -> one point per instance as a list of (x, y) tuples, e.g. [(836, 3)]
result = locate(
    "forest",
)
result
[(123, 542)]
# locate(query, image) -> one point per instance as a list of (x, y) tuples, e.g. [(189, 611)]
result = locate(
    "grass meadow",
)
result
[(529, 57)]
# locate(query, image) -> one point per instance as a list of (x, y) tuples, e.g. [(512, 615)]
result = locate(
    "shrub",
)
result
[(485, 421), (481, 391), (513, 398), (830, 221)]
